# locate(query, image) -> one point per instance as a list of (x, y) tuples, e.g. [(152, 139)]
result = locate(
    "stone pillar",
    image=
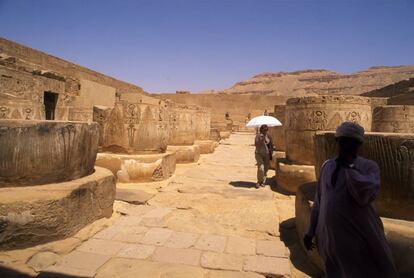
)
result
[(202, 124), (394, 153), (134, 128), (393, 118), (133, 140), (306, 115), (183, 133), (49, 187), (278, 132)]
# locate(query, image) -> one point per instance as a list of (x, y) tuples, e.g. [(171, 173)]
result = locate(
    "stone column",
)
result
[(393, 118), (133, 141), (306, 115), (49, 187), (394, 153), (278, 132)]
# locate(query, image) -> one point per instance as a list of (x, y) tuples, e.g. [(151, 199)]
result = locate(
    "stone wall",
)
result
[(394, 154), (22, 90), (306, 115), (238, 106), (27, 74), (393, 118), (64, 67)]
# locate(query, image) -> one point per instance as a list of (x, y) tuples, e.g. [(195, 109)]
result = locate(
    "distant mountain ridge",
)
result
[(320, 81), (401, 93)]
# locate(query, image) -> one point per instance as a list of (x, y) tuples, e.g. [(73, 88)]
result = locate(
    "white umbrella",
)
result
[(263, 120)]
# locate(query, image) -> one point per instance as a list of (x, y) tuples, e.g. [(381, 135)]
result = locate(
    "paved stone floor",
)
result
[(207, 221)]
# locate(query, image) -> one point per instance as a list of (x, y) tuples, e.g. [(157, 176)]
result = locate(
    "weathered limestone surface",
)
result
[(206, 146), (138, 168), (399, 233), (376, 102), (40, 152), (215, 134), (303, 204), (306, 115), (278, 132), (43, 60), (38, 214), (22, 109), (225, 134), (394, 153), (202, 124), (185, 154), (291, 176), (182, 124), (133, 127), (393, 118)]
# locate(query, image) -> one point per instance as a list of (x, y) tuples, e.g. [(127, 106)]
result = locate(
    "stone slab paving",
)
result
[(222, 261), (208, 222)]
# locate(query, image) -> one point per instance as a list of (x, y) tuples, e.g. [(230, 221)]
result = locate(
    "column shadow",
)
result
[(298, 256)]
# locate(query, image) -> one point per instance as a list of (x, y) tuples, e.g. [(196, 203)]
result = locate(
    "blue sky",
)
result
[(196, 45)]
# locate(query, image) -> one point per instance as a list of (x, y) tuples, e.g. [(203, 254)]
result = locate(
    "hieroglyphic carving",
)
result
[(4, 112), (132, 118), (354, 117), (305, 115)]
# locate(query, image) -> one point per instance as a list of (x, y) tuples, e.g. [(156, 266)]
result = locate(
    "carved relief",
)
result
[(306, 115), (4, 112), (353, 116), (317, 120)]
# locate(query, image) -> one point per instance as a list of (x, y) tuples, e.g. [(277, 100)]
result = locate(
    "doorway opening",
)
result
[(50, 100)]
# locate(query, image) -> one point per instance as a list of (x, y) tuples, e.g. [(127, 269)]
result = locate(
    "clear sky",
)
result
[(196, 45)]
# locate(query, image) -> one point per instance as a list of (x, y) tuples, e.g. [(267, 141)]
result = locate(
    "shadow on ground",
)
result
[(6, 272), (298, 256), (244, 184), (271, 182)]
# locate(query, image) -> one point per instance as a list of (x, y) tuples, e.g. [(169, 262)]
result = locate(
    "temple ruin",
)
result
[(171, 176)]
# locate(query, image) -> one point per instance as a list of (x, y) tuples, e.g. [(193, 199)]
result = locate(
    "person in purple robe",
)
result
[(349, 234)]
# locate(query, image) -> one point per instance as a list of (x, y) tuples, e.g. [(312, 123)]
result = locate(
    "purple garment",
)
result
[(349, 233)]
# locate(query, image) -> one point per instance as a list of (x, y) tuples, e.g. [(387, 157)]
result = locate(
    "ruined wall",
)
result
[(22, 88), (306, 115), (393, 118), (26, 74), (238, 106), (53, 63), (92, 93), (394, 153)]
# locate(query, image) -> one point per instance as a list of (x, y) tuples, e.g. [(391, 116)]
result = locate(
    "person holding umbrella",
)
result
[(264, 145), (263, 154)]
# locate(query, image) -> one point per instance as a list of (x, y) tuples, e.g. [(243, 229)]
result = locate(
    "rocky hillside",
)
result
[(398, 93), (311, 82)]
